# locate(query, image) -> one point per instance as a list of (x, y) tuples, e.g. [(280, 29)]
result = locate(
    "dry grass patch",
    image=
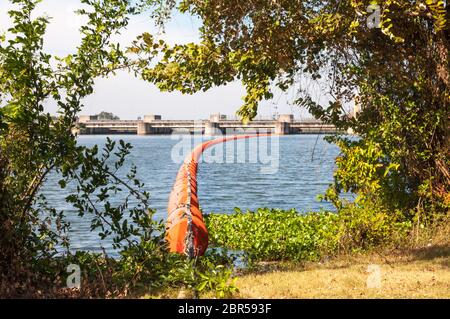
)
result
[(419, 273)]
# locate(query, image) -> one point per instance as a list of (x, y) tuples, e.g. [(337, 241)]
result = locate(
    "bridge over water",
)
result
[(216, 125)]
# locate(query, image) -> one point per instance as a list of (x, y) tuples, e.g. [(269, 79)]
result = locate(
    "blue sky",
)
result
[(129, 97)]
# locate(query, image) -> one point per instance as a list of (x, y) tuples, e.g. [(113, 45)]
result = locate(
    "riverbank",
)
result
[(419, 273), (415, 273), (419, 268)]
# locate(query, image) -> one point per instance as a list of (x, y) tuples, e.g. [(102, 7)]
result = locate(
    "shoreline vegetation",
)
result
[(405, 274), (415, 265)]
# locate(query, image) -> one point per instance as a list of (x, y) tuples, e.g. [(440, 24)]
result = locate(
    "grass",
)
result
[(418, 269), (417, 273), (423, 273)]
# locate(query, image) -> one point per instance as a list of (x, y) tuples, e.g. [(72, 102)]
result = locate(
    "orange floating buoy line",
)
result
[(186, 231)]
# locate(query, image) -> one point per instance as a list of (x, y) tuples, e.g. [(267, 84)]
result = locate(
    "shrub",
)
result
[(369, 226)]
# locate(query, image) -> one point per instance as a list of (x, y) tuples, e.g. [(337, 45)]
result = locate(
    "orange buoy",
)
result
[(186, 231)]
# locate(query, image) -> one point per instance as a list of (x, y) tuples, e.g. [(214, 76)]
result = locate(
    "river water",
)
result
[(289, 172)]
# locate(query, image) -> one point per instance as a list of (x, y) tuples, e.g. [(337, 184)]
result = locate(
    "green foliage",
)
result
[(160, 10), (34, 242), (367, 226), (218, 281), (276, 235), (398, 73), (33, 143), (363, 169), (210, 273), (193, 67)]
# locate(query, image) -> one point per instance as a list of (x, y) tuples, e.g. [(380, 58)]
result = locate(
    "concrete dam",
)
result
[(216, 125)]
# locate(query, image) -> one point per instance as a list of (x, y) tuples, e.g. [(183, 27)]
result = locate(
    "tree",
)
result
[(397, 69), (107, 116), (34, 144), (34, 243)]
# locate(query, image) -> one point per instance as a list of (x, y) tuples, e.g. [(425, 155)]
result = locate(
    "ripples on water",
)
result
[(222, 186)]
